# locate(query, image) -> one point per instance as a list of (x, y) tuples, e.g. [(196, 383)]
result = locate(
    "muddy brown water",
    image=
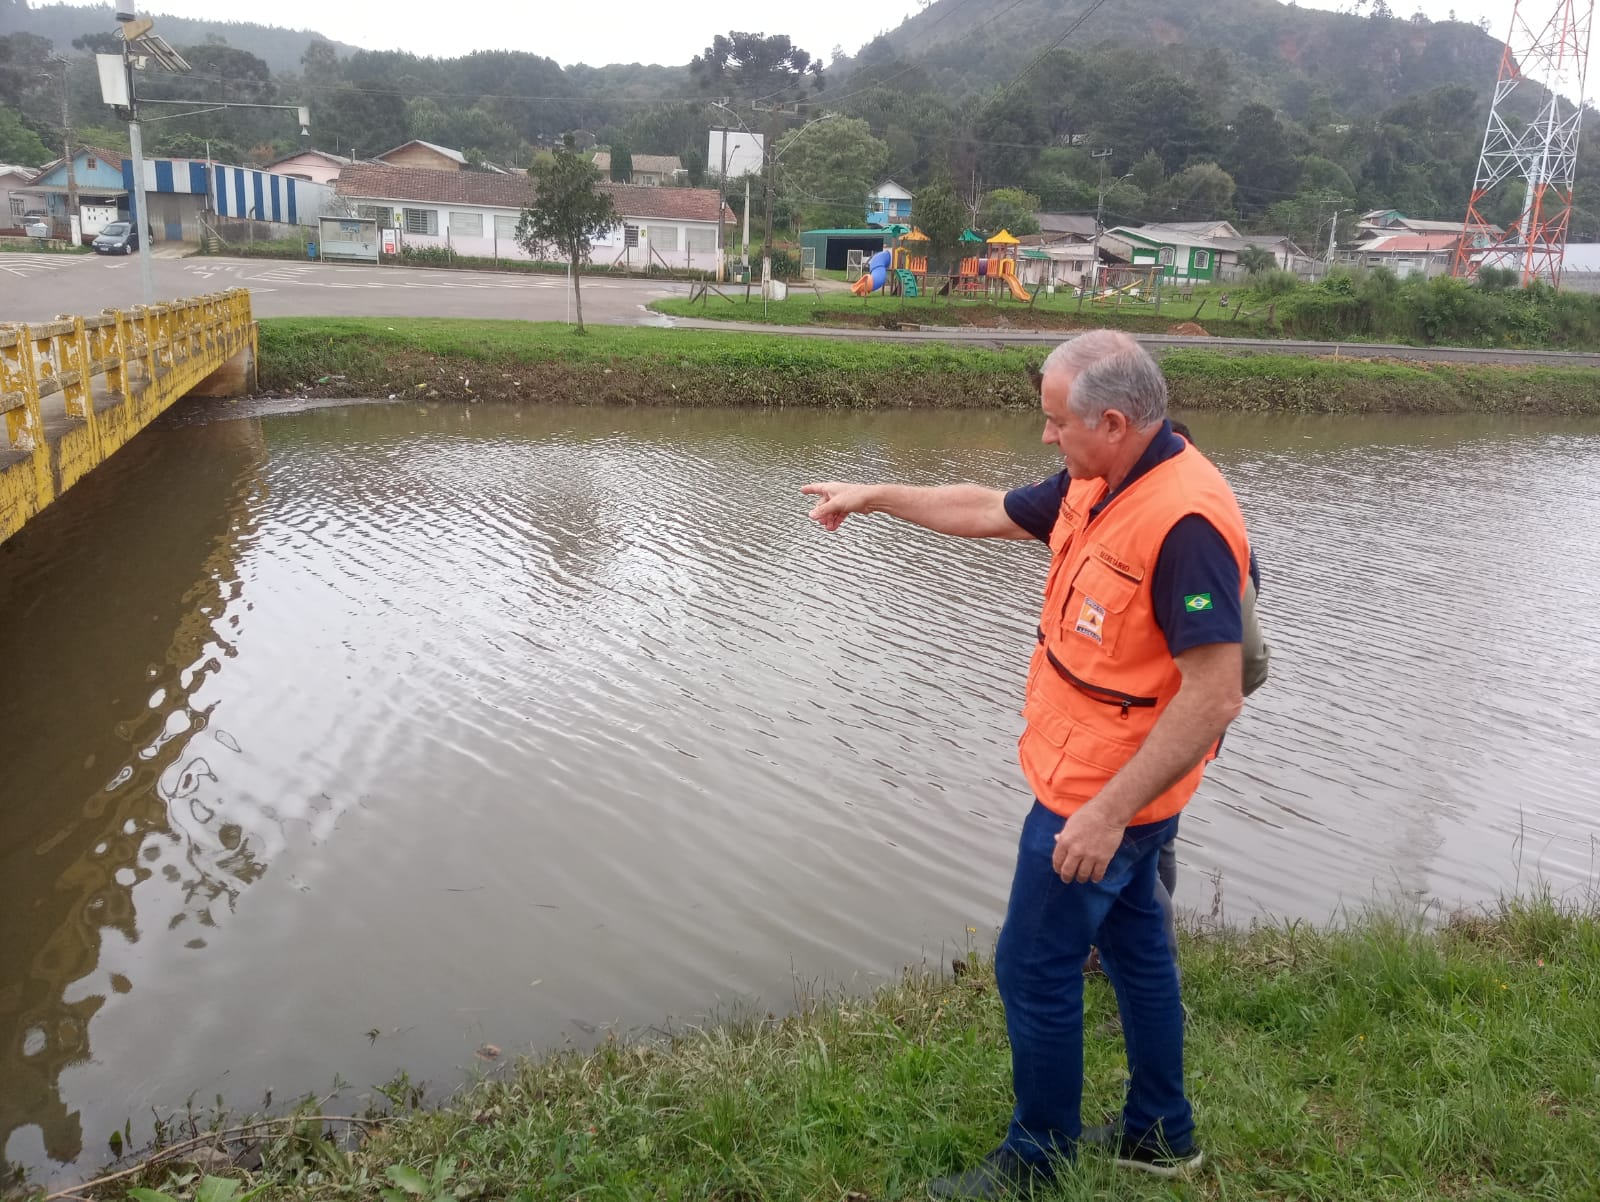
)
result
[(345, 741)]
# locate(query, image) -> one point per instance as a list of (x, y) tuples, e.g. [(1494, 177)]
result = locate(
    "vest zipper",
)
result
[(1095, 692)]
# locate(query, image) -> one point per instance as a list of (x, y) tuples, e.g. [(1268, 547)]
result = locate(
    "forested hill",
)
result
[(1289, 57), (280, 49)]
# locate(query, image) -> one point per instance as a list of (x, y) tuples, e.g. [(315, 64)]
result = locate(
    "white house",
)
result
[(1391, 221), (13, 204), (1064, 264), (1405, 254), (476, 214)]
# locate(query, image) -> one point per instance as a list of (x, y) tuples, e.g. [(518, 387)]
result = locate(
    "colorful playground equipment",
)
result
[(898, 268), (903, 267), (995, 267)]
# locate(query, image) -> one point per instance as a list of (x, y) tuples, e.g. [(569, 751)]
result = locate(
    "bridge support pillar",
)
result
[(235, 378)]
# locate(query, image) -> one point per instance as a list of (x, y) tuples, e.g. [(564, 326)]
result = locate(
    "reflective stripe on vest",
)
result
[(1101, 673)]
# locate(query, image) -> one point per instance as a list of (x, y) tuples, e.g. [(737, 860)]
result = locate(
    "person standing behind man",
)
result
[(1133, 679)]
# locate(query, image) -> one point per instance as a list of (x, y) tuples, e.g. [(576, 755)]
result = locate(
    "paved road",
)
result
[(39, 287)]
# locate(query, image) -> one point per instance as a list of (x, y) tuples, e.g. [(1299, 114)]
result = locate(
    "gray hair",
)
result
[(1109, 370)]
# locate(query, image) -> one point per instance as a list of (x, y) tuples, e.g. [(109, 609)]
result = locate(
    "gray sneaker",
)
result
[(1000, 1175), (1147, 1158)]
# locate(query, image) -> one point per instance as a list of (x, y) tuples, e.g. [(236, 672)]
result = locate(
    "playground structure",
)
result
[(1126, 283), (988, 272), (902, 269)]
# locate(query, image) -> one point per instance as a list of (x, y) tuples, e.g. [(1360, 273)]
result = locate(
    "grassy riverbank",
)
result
[(1375, 1061), (1059, 312), (1356, 306), (451, 359)]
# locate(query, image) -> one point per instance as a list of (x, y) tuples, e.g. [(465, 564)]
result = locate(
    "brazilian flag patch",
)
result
[(1196, 602)]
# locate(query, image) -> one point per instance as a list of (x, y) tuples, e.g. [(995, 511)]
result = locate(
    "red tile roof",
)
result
[(1413, 242), (382, 182)]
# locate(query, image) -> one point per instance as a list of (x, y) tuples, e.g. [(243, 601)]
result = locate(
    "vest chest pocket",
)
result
[(1096, 605)]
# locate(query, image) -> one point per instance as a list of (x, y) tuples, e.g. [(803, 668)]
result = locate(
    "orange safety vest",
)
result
[(1102, 674)]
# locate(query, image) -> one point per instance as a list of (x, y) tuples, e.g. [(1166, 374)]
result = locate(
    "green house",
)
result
[(1180, 256)]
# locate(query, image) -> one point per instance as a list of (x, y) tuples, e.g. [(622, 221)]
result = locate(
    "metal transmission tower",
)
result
[(1542, 154)]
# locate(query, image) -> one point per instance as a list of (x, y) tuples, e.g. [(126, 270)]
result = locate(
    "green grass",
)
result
[(474, 359), (1375, 1061), (804, 308), (31, 246)]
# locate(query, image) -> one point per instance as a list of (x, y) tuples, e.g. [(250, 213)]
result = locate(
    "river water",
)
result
[(346, 741)]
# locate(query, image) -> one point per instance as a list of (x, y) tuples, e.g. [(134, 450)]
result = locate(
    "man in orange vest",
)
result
[(1135, 675)]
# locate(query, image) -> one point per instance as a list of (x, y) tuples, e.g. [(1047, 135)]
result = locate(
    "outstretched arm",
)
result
[(966, 510)]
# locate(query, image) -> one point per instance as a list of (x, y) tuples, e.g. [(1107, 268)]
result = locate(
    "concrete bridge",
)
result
[(73, 391)]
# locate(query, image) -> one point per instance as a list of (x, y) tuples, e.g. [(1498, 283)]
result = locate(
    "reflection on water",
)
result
[(116, 614), (465, 724)]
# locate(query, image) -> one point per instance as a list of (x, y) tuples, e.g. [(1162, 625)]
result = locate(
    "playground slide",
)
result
[(875, 276), (1017, 290)]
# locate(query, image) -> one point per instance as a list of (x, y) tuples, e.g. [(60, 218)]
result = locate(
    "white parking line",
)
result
[(25, 265)]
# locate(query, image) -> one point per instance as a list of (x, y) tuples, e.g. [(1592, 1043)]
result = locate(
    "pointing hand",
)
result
[(838, 501)]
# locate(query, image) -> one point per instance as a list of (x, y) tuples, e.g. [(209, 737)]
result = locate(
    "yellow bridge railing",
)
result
[(73, 391)]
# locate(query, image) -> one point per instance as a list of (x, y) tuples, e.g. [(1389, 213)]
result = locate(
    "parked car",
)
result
[(118, 238)]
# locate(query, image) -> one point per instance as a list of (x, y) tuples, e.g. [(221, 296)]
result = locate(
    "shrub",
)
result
[(1273, 283)]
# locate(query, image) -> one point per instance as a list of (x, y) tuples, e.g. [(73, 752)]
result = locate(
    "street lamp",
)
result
[(722, 188), (140, 44), (73, 228), (771, 196), (1099, 210)]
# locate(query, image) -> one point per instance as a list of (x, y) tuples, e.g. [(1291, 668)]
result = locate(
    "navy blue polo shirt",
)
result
[(1194, 559)]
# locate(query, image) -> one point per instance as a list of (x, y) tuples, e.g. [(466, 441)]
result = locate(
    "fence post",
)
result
[(33, 439)]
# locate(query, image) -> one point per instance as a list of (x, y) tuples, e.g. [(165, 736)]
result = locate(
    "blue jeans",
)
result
[(1166, 887), (1048, 930)]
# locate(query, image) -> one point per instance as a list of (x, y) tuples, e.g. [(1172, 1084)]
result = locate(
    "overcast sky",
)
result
[(625, 31)]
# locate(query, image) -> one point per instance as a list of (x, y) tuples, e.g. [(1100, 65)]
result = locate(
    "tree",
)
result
[(1161, 113), (424, 118), (694, 166), (1009, 209), (1149, 173), (99, 43), (827, 169), (755, 67), (569, 211), (621, 163), (940, 214), (18, 143), (1257, 259), (1197, 193), (1260, 158)]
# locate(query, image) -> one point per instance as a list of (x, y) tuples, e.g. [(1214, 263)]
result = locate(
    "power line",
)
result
[(1052, 47)]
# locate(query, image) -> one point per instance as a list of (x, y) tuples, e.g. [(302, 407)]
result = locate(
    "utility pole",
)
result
[(722, 203), (140, 216), (745, 258), (768, 149), (74, 228), (1099, 216), (1333, 234)]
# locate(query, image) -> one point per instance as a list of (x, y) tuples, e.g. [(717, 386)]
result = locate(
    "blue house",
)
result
[(102, 198), (889, 204)]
